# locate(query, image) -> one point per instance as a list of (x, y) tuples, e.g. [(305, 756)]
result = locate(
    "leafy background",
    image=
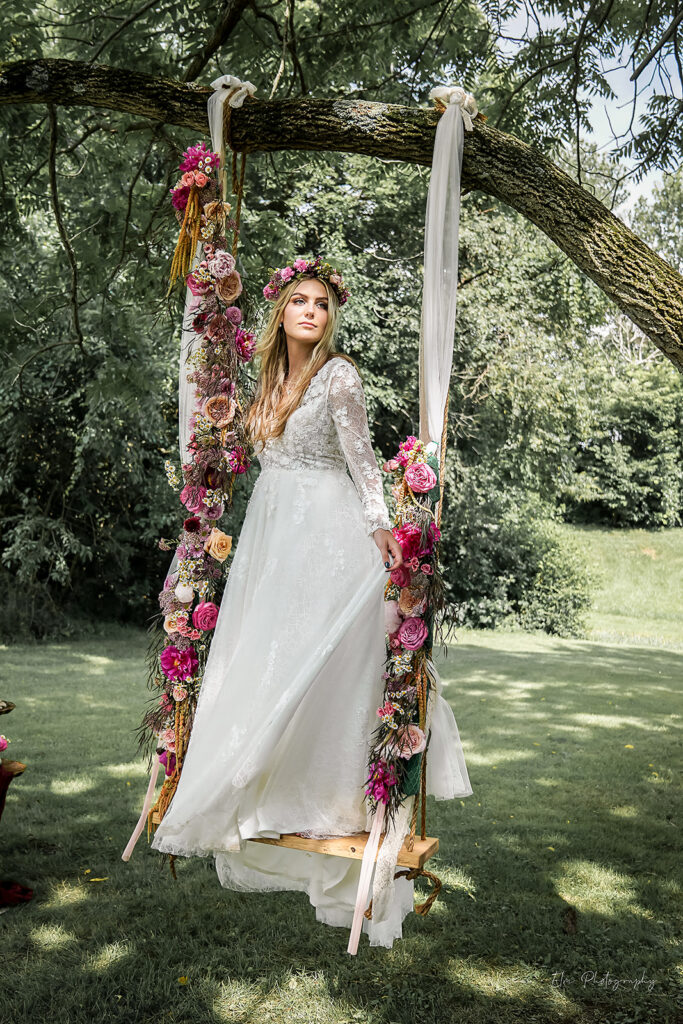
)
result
[(560, 410)]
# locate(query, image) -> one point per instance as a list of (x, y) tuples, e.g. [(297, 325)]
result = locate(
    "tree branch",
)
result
[(636, 279), (232, 12), (52, 168)]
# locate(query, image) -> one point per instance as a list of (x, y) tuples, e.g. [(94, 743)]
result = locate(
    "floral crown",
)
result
[(301, 268)]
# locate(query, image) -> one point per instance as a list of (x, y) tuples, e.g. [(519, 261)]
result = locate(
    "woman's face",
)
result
[(305, 315)]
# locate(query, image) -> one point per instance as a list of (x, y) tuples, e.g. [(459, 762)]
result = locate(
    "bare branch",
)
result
[(669, 34)]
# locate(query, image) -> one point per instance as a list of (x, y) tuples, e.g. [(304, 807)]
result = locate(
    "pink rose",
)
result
[(205, 615), (179, 693), (287, 274), (412, 633), (300, 265), (193, 498), (200, 179), (420, 477), (400, 576), (188, 178), (168, 739), (392, 617), (408, 740), (427, 569)]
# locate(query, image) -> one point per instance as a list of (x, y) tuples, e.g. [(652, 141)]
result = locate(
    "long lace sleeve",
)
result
[(346, 403)]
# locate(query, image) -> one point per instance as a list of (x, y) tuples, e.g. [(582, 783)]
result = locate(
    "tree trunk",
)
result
[(646, 288)]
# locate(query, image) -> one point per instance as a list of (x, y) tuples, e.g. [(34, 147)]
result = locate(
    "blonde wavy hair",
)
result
[(267, 415)]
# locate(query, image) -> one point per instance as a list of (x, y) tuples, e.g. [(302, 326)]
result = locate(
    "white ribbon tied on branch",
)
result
[(442, 228)]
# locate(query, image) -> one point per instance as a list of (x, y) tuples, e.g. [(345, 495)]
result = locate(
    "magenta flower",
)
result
[(409, 537), (300, 265), (405, 448), (380, 780), (177, 664), (287, 274)]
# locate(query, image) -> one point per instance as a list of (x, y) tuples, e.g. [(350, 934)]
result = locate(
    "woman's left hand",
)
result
[(388, 545)]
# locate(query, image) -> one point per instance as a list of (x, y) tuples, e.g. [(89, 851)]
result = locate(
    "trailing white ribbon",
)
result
[(442, 228)]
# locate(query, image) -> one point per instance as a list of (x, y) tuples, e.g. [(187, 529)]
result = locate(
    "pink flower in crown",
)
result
[(335, 279), (269, 293), (420, 477), (300, 265), (287, 274), (412, 633)]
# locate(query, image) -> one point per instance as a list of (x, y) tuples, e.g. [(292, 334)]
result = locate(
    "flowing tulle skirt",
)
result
[(288, 702)]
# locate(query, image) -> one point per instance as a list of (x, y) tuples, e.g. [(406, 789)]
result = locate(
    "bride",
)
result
[(293, 680)]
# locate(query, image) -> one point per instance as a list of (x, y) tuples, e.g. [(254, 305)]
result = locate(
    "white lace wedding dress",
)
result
[(294, 675)]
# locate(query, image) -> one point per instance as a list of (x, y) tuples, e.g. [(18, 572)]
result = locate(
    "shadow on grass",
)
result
[(576, 829)]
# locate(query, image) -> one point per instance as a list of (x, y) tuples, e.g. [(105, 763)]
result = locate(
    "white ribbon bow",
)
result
[(448, 94), (235, 91)]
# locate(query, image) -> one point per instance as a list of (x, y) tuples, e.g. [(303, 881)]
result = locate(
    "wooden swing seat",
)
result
[(352, 847)]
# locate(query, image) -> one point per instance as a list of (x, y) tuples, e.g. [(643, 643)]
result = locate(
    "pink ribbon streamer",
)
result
[(149, 797), (366, 867)]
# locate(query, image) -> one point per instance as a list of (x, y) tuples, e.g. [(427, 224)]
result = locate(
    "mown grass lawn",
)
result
[(561, 898)]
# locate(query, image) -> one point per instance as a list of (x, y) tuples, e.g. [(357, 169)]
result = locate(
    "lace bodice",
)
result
[(329, 430)]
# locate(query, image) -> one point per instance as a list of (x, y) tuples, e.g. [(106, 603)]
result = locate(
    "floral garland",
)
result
[(219, 453), (413, 597), (300, 268)]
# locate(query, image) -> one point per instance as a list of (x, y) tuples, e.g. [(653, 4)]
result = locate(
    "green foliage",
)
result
[(535, 400), (510, 563)]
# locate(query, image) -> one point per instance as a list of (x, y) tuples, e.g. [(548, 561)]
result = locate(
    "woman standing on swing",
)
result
[(288, 701)]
